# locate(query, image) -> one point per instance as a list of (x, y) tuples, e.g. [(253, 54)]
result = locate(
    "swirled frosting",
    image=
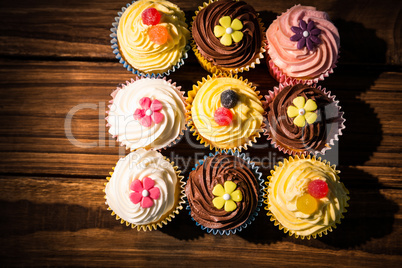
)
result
[(302, 63), (290, 181), (238, 54), (311, 137), (247, 114), (129, 131), (136, 166), (216, 170), (136, 47)]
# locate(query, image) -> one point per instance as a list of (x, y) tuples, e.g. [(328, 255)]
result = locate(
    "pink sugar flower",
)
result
[(144, 192), (149, 113)]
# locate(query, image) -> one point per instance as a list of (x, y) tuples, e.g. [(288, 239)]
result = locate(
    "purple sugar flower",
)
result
[(306, 35)]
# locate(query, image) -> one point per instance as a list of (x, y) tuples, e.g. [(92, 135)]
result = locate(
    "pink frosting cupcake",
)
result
[(302, 44)]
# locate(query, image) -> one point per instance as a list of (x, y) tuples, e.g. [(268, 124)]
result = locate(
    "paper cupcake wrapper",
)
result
[(281, 77), (191, 95), (122, 86), (334, 132), (116, 51), (253, 215), (170, 215), (214, 69), (272, 216)]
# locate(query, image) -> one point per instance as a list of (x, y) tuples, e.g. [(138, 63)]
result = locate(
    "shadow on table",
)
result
[(363, 132), (262, 230), (267, 17), (185, 154), (370, 215), (183, 227), (349, 82), (52, 217), (360, 44)]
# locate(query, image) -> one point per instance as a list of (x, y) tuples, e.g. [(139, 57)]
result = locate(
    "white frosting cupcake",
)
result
[(145, 190), (147, 113)]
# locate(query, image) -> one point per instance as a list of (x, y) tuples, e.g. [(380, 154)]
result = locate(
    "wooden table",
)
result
[(56, 73)]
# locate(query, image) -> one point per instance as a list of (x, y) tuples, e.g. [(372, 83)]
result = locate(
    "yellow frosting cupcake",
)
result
[(153, 47), (225, 112), (305, 197)]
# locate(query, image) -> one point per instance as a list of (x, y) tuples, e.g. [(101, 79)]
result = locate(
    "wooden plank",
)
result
[(99, 165), (59, 190), (75, 83), (90, 231), (35, 106), (127, 248), (81, 30), (105, 144)]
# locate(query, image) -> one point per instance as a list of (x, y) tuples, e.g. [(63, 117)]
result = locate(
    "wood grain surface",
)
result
[(57, 71)]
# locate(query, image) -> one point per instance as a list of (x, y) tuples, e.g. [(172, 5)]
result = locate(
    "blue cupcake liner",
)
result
[(253, 215), (126, 65)]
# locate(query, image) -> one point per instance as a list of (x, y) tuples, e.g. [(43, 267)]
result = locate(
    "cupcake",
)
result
[(303, 44), (150, 37), (145, 190), (305, 197), (225, 112), (147, 113), (227, 36), (224, 193), (303, 119)]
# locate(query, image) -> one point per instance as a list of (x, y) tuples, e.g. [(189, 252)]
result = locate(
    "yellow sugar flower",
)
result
[(303, 111), (229, 30), (226, 196)]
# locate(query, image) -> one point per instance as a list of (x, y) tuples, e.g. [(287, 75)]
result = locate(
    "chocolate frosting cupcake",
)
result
[(238, 54), (200, 186), (312, 137)]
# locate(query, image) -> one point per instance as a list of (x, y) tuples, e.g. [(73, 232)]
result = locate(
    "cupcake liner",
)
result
[(122, 86), (333, 131), (164, 219), (272, 216), (214, 69), (253, 215), (191, 95), (281, 77), (116, 51)]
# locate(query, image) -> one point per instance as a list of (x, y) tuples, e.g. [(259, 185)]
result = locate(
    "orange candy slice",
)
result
[(158, 34)]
